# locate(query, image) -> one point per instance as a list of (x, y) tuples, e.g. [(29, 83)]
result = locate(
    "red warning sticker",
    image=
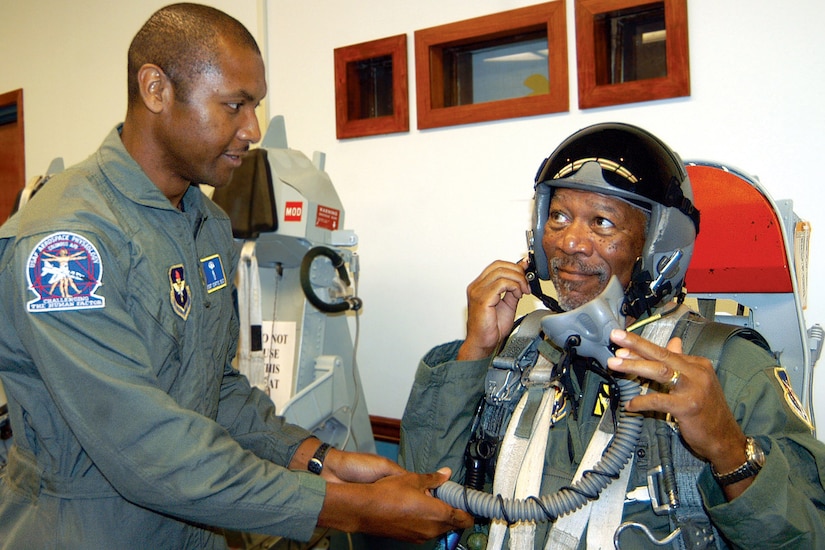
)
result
[(327, 218)]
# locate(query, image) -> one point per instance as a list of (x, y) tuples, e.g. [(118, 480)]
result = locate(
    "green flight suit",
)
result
[(785, 506), (131, 428)]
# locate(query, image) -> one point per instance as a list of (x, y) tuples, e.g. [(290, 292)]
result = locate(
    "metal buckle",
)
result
[(661, 499)]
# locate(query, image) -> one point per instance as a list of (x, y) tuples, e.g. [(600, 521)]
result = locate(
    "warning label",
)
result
[(327, 218)]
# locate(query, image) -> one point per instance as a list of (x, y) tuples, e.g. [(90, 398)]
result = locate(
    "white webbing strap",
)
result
[(250, 352), (567, 531), (521, 463)]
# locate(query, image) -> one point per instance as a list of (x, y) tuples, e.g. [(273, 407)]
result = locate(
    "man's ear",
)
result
[(155, 87)]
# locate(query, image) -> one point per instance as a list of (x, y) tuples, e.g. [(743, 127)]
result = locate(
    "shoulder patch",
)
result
[(64, 270), (791, 398), (213, 273)]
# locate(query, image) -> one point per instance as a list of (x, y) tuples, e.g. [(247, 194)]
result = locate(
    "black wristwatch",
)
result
[(316, 463), (751, 467)]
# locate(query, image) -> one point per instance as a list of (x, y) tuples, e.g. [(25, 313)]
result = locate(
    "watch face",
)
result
[(315, 466), (755, 453)]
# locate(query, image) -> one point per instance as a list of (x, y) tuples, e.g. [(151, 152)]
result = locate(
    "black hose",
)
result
[(350, 302)]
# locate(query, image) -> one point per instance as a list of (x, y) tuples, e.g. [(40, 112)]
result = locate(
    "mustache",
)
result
[(575, 264)]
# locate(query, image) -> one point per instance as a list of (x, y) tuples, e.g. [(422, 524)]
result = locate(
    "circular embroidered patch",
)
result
[(64, 270)]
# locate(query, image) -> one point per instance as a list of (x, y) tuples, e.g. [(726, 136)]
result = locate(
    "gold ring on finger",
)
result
[(674, 379)]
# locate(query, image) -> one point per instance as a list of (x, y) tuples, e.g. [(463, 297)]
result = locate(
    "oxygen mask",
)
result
[(588, 327)]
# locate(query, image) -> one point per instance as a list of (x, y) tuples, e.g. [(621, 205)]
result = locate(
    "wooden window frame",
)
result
[(429, 70), (675, 84), (399, 121)]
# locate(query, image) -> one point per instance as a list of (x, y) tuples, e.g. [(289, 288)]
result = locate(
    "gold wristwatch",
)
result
[(751, 467)]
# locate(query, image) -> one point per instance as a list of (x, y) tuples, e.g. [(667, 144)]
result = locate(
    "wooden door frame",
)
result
[(15, 97)]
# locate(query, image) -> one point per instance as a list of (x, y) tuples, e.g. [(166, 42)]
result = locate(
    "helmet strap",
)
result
[(640, 296), (535, 285)]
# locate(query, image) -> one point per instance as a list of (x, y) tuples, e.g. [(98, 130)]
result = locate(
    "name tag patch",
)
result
[(213, 273), (64, 270)]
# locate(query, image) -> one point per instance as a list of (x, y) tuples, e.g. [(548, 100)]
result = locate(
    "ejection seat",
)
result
[(296, 284), (749, 267)]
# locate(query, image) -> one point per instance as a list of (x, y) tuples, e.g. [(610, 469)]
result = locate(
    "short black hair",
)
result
[(183, 40)]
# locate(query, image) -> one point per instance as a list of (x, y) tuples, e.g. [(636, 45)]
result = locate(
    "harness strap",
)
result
[(250, 349), (521, 462), (707, 339), (688, 515), (568, 530), (696, 529), (566, 533), (679, 468)]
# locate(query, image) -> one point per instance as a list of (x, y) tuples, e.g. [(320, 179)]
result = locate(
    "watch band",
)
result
[(316, 463), (754, 462)]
